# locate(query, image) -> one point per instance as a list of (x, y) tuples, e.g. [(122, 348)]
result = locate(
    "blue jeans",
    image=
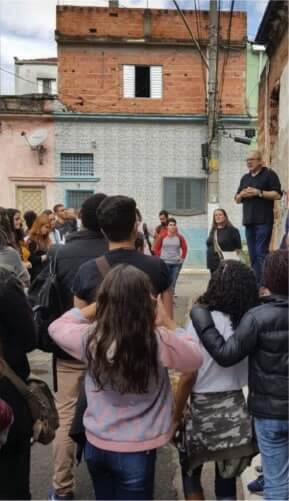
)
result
[(174, 270), (121, 475), (273, 443), (258, 238)]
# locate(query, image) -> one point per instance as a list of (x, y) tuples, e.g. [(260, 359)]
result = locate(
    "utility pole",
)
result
[(213, 184)]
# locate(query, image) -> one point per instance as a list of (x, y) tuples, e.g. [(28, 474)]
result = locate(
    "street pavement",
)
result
[(168, 483)]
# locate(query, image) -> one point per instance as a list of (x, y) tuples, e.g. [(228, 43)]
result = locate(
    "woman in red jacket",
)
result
[(172, 248)]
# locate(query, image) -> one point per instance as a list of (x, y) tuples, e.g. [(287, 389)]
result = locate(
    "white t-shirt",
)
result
[(211, 376)]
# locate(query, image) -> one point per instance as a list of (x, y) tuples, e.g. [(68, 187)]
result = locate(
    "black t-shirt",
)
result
[(258, 210), (89, 278), (228, 239)]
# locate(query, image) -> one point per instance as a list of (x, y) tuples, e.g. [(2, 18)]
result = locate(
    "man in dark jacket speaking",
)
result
[(257, 191), (262, 335)]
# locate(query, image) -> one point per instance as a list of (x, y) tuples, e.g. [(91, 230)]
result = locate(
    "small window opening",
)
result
[(142, 81)]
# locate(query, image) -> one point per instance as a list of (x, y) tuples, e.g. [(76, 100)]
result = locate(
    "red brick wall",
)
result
[(276, 65), (90, 74)]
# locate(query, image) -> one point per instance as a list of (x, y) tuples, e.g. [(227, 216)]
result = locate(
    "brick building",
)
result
[(136, 91), (274, 99)]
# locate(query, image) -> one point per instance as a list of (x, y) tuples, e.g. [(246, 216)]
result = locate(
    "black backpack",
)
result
[(45, 298)]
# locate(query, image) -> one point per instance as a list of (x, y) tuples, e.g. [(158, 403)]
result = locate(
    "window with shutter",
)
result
[(185, 195), (128, 81), (142, 81), (156, 75)]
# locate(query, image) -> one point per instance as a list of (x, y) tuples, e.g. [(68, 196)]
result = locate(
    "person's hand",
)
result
[(162, 318), (89, 312), (27, 265), (251, 192), (44, 258)]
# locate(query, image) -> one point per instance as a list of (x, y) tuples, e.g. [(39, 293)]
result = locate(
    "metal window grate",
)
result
[(76, 165), (75, 198), (184, 195)]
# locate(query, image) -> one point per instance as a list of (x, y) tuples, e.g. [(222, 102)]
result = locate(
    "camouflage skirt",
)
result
[(217, 427)]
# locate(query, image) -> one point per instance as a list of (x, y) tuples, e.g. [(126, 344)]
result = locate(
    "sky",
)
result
[(27, 26)]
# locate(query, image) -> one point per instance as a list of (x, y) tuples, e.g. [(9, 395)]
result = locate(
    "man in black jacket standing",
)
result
[(262, 335), (257, 191), (81, 246)]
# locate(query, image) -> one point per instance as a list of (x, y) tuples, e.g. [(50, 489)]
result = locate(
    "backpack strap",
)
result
[(147, 237), (103, 265)]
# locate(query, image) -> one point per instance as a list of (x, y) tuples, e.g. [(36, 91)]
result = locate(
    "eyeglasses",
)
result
[(251, 159)]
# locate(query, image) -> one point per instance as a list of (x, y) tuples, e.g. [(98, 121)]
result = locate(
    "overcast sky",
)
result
[(27, 26)]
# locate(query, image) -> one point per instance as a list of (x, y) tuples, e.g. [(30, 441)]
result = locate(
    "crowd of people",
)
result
[(115, 344)]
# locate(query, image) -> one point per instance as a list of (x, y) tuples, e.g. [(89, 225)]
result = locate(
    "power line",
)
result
[(226, 56), (204, 59), (199, 38), (17, 76)]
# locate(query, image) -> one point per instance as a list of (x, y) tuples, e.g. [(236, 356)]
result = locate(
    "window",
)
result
[(46, 86), (185, 195), (76, 165), (75, 198), (142, 81)]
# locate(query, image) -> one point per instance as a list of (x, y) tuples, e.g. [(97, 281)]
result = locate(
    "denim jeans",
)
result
[(258, 238), (121, 475), (273, 442), (174, 270), (225, 488)]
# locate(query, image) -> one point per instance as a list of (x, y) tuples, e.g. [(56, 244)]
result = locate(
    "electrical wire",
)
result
[(226, 56), (199, 38), (204, 59)]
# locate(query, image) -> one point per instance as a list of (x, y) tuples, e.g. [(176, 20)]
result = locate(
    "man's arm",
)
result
[(236, 348), (268, 195)]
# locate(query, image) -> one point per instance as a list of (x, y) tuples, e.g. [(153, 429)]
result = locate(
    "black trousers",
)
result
[(15, 454)]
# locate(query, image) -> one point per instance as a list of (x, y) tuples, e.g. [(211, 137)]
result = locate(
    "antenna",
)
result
[(37, 137), (35, 140)]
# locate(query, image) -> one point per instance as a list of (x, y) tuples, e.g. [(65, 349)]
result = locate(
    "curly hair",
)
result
[(122, 350), (275, 274), (232, 289)]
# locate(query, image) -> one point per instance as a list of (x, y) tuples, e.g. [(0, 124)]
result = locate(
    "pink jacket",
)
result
[(128, 422)]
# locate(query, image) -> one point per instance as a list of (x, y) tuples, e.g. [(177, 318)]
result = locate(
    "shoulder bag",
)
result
[(224, 255), (40, 403)]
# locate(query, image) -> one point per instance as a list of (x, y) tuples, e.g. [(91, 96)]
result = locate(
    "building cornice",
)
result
[(130, 117), (137, 42)]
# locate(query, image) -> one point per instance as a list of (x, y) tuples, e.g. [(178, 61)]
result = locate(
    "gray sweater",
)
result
[(10, 260)]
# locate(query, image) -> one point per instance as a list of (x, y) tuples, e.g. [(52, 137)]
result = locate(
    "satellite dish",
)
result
[(37, 137)]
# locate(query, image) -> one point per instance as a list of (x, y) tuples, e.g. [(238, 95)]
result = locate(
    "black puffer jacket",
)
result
[(263, 336)]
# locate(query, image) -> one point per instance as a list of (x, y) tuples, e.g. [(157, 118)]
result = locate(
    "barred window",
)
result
[(185, 195), (76, 165), (75, 198)]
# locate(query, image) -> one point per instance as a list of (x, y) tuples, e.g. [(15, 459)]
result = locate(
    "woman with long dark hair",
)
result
[(15, 219), (129, 400), (262, 335), (38, 244), (223, 237), (218, 427), (9, 257)]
